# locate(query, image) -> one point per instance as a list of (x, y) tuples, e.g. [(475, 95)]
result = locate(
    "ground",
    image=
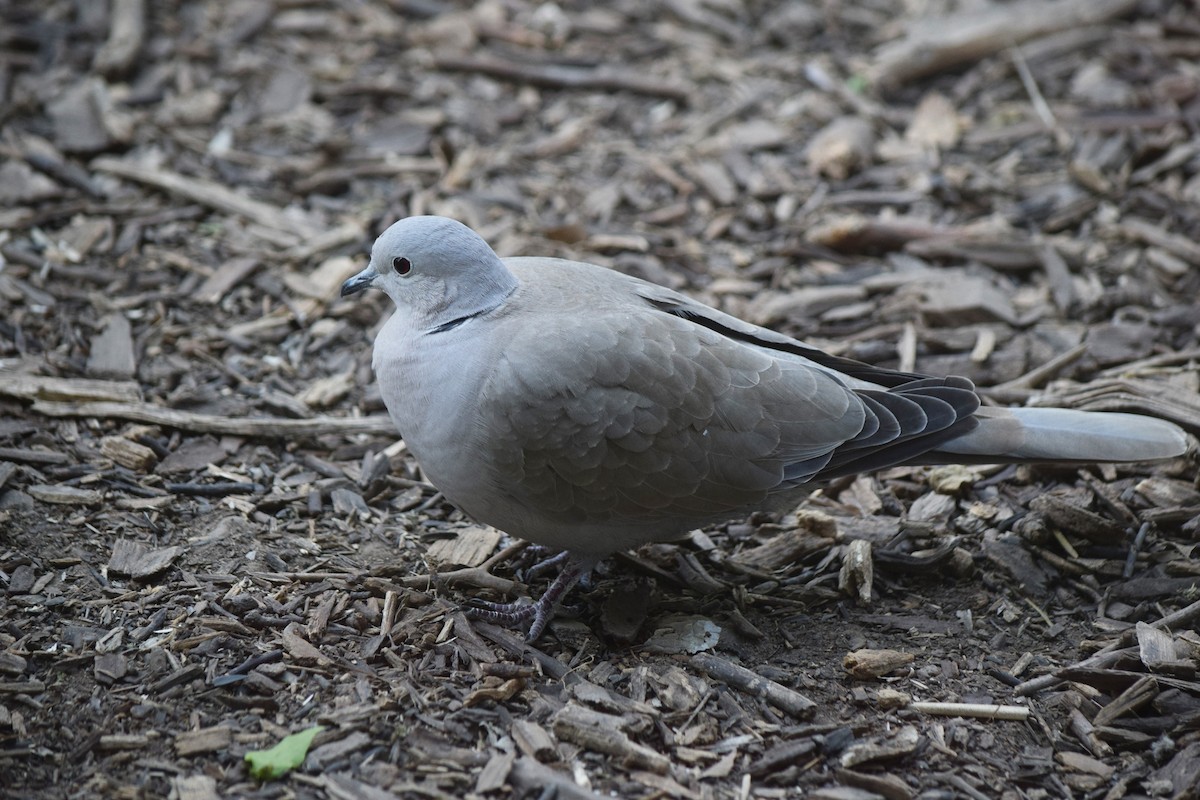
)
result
[(210, 538)]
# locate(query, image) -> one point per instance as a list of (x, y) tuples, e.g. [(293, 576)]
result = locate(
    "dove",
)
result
[(591, 412)]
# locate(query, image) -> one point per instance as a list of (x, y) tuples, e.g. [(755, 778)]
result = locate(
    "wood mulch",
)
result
[(210, 539)]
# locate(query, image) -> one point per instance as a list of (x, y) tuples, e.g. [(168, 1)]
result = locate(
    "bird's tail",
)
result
[(1064, 435)]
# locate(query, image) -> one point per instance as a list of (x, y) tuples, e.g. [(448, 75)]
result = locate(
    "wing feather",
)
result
[(658, 413)]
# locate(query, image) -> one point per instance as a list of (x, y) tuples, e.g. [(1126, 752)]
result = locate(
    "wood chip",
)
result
[(231, 273), (328, 391), (867, 665), (1066, 511), (494, 774), (79, 115), (890, 787), (813, 532), (935, 123), (533, 740), (966, 301), (1084, 763), (195, 787), (1156, 647), (128, 454), (1135, 697), (602, 733), (530, 776), (841, 148), (125, 37), (125, 741), (23, 455), (203, 740), (66, 495), (857, 574), (133, 560), (300, 649), (901, 743)]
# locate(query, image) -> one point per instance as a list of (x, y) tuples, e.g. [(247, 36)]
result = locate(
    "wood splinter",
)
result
[(979, 710)]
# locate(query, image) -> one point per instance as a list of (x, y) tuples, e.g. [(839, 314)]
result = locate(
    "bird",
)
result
[(592, 412)]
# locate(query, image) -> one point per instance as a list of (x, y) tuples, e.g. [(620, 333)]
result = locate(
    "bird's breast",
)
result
[(431, 390)]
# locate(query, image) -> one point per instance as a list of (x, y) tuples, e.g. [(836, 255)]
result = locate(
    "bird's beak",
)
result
[(359, 282)]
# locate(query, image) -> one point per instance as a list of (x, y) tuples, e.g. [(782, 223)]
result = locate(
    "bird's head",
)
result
[(436, 270)]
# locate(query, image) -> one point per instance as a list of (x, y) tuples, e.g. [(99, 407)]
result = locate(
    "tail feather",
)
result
[(1058, 434)]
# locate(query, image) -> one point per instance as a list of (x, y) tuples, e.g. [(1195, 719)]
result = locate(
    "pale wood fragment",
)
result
[(857, 575), (112, 350), (195, 787), (871, 664), (128, 454), (65, 495), (203, 740), (978, 710), (470, 547), (21, 386), (227, 276), (533, 740), (300, 649)]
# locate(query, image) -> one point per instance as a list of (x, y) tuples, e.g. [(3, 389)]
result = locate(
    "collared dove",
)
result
[(592, 412)]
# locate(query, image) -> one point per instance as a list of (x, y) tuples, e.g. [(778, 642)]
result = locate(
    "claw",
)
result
[(541, 611)]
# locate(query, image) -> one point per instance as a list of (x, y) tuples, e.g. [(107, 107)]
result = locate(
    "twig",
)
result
[(1062, 292), (1158, 362), (23, 455), (981, 710), (265, 427), (1152, 234), (1039, 375), (751, 682), (932, 45), (1040, 106), (1110, 653), (560, 76), (208, 193), (467, 576), (1134, 549), (44, 157), (218, 489)]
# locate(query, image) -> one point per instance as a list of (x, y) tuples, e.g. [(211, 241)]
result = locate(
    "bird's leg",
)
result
[(541, 611), (546, 564)]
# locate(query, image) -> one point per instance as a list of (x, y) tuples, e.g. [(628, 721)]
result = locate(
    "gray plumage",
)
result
[(587, 410)]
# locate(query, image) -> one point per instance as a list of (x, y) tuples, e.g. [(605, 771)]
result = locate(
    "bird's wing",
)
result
[(610, 415)]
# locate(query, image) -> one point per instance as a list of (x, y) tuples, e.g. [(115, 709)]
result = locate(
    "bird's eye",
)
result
[(402, 265)]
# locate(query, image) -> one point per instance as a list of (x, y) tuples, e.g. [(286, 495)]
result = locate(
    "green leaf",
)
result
[(267, 765)]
